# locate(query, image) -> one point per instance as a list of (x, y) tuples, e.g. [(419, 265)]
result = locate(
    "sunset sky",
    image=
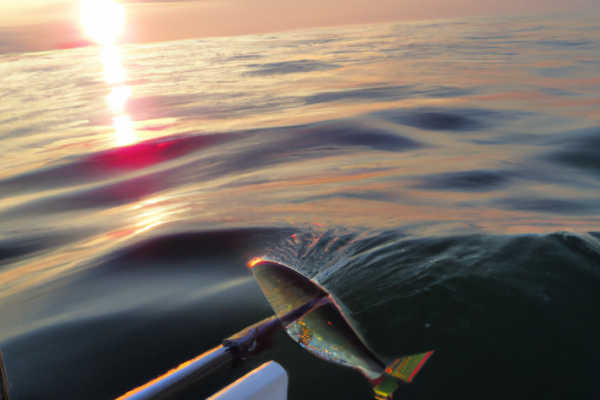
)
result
[(31, 25)]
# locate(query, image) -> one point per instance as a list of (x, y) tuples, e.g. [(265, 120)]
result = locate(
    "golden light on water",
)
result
[(103, 20)]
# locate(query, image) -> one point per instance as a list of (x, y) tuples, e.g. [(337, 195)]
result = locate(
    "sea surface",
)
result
[(440, 178)]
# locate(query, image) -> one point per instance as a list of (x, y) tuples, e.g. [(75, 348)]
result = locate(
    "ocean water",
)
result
[(441, 179)]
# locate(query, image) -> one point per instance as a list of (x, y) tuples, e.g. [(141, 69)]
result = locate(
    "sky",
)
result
[(34, 25)]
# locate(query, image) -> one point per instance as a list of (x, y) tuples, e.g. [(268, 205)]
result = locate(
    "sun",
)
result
[(103, 20)]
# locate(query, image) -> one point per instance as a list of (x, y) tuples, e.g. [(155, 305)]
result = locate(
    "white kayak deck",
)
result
[(267, 382)]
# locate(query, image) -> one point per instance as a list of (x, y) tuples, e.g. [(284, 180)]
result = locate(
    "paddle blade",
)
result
[(325, 332), (285, 288), (319, 325), (321, 329)]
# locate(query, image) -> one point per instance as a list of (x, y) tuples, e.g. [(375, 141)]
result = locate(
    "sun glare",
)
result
[(125, 132), (114, 72), (103, 20), (118, 97)]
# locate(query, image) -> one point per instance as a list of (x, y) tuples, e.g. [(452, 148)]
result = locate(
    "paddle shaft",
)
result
[(184, 376), (235, 350)]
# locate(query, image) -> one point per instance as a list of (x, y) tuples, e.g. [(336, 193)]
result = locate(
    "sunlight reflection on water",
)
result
[(115, 75)]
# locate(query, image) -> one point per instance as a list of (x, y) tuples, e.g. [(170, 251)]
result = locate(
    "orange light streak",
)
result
[(171, 372), (255, 261)]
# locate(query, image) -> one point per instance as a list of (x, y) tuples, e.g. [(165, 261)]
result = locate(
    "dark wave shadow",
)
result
[(555, 72), (564, 43), (175, 250), (385, 93), (351, 134), (18, 247), (444, 119), (103, 196), (467, 181), (288, 145), (551, 206), (579, 149), (371, 195), (288, 67), (556, 92)]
